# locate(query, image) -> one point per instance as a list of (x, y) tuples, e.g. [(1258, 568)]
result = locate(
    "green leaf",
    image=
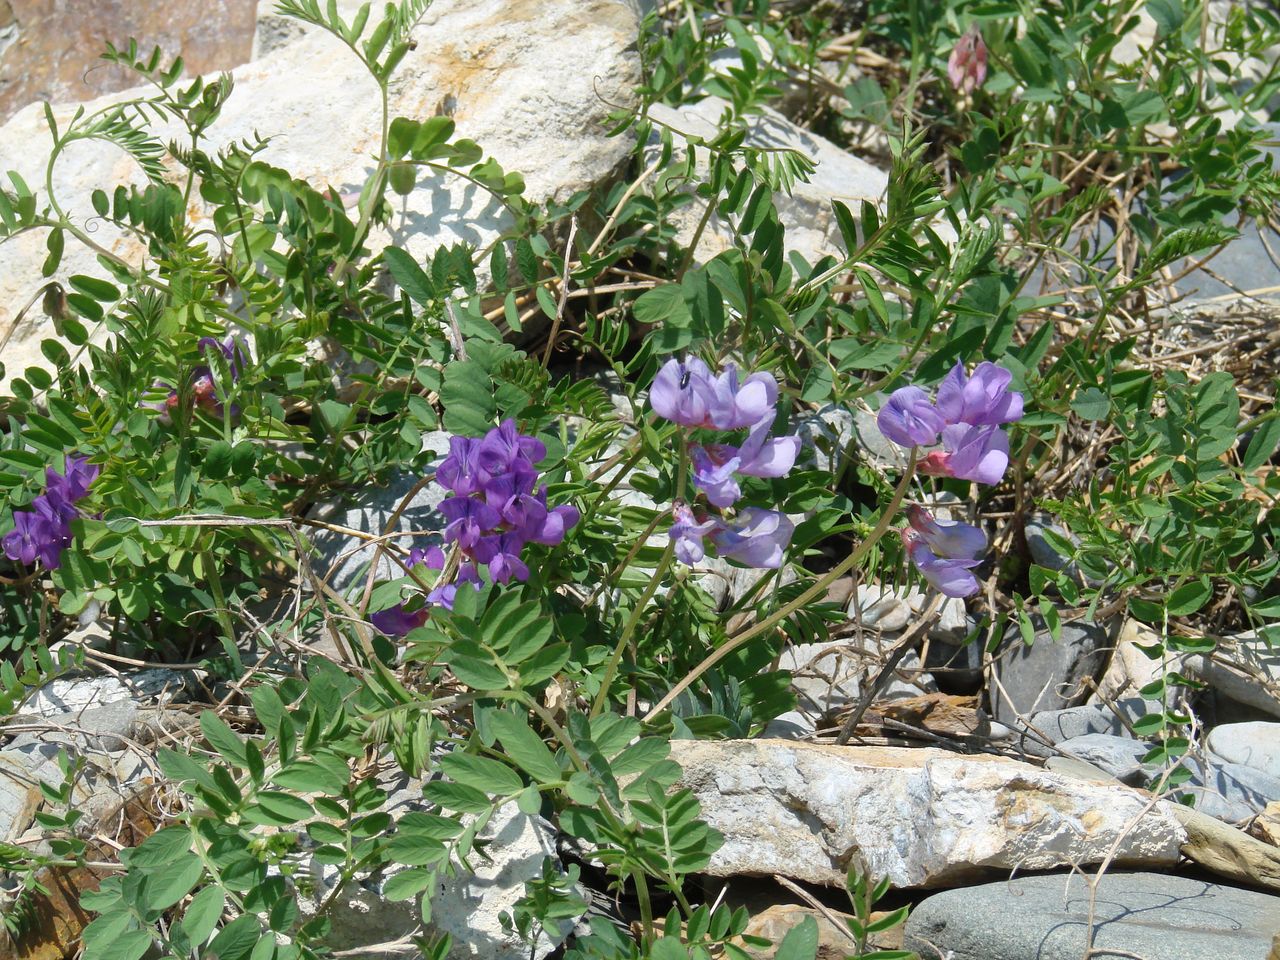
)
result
[(525, 748), (410, 277), (163, 846), (237, 939), (1262, 445), (166, 885), (223, 739), (663, 305), (283, 808), (217, 460), (202, 914), (478, 674), (1190, 597), (490, 776), (131, 945), (1091, 404), (94, 287), (54, 244), (801, 941), (407, 884)]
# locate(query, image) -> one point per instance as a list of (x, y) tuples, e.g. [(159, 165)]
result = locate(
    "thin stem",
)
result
[(220, 610), (611, 668), (854, 558)]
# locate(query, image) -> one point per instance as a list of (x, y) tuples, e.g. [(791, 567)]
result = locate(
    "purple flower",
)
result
[(396, 621), (688, 533), (947, 538), (973, 453), (469, 519), (430, 557), (44, 531), (967, 65), (683, 392), (458, 471), (714, 465), (502, 555), (735, 405), (949, 575), (559, 520), (756, 537), (909, 419), (504, 447), (28, 537), (983, 399)]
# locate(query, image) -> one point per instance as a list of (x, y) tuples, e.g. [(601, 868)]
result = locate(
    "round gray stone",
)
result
[(1148, 915), (1255, 744)]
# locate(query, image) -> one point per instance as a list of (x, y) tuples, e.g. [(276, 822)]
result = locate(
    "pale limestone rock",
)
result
[(806, 213), (921, 817), (1129, 669), (498, 65)]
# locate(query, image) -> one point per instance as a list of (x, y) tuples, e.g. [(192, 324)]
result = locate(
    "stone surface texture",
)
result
[(921, 817), (53, 45), (811, 228), (1129, 669), (1149, 915), (1254, 744), (500, 68), (1049, 674)]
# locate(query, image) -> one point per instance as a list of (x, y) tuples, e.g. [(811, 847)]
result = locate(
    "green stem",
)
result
[(854, 558), (224, 617), (664, 562)]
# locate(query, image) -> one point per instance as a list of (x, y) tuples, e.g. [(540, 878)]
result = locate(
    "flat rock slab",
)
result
[(921, 817), (1148, 915)]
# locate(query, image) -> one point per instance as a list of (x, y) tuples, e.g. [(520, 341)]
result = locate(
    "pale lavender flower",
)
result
[(947, 538), (735, 405), (909, 419), (949, 575), (682, 392), (973, 453), (756, 537), (688, 532), (715, 465), (983, 399)]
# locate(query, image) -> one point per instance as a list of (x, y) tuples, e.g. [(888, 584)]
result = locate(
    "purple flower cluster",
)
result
[(45, 531), (968, 415), (687, 393), (494, 512)]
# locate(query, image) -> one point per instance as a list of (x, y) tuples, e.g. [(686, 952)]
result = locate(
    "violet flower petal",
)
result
[(682, 391), (735, 405), (756, 537), (909, 419)]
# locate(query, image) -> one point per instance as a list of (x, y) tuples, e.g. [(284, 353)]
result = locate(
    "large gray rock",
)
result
[(1254, 744), (1154, 916), (920, 817), (498, 66), (834, 438), (1119, 756), (1055, 726), (1049, 674), (1231, 792), (806, 213)]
